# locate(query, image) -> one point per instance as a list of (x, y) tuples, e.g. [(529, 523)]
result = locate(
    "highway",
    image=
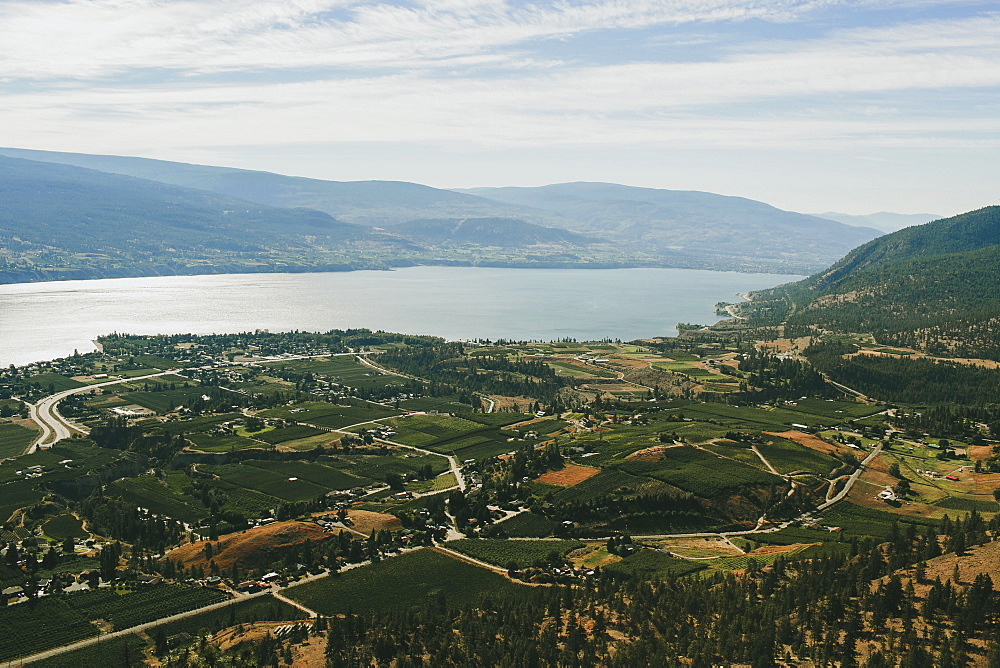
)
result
[(54, 426)]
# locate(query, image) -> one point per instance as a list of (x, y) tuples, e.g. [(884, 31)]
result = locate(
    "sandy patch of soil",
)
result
[(812, 442), (569, 475)]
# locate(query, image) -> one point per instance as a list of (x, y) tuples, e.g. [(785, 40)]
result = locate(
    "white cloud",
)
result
[(83, 39)]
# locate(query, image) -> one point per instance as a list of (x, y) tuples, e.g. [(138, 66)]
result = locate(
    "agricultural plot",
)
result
[(522, 553), (695, 372), (426, 430), (344, 370), (605, 483), (835, 411), (14, 439), (738, 451), (377, 467), (259, 609), (16, 495), (448, 404), (526, 525), (412, 580), (699, 472), (196, 425), (65, 526), (248, 502), (654, 565), (126, 609), (860, 521), (331, 416), (124, 652), (55, 382), (318, 474), (223, 442), (571, 370), (164, 401), (39, 625), (285, 434), (787, 456), (153, 494), (268, 481)]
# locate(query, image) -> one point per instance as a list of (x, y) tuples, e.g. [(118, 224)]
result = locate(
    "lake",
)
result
[(41, 321)]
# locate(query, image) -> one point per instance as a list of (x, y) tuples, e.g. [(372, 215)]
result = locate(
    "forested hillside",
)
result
[(935, 287)]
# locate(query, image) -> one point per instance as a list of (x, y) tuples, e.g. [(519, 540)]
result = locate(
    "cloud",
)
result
[(93, 39)]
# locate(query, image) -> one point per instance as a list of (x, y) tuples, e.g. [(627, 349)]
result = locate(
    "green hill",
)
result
[(59, 221), (637, 226), (934, 287)]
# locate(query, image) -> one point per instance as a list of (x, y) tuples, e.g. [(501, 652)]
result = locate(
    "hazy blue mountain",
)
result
[(502, 232), (690, 222), (630, 226), (883, 220), (61, 218), (371, 203)]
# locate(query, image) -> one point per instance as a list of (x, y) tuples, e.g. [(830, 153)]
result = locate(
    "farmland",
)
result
[(55, 621), (522, 553), (407, 581), (14, 439)]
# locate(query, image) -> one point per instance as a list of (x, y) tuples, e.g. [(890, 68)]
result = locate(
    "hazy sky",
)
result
[(811, 105)]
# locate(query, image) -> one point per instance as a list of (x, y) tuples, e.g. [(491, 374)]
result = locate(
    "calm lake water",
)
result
[(40, 321)]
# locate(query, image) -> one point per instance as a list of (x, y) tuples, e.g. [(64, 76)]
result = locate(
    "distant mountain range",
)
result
[(933, 287), (884, 220), (77, 216)]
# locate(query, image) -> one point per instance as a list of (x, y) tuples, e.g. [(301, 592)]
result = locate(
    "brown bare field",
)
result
[(243, 546), (569, 475), (778, 549), (980, 452), (365, 521), (810, 441), (653, 454)]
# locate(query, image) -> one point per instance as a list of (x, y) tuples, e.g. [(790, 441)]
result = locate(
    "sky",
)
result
[(854, 106)]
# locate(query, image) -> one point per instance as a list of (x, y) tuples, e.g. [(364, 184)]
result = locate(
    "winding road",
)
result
[(54, 426)]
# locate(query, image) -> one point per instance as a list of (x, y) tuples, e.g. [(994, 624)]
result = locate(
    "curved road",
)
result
[(54, 426)]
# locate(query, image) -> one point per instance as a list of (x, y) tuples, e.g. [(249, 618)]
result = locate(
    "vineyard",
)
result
[(41, 624), (124, 609), (407, 581), (526, 525), (522, 553), (14, 439)]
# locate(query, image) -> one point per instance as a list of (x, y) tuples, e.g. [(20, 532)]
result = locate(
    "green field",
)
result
[(64, 526), (699, 472), (55, 382), (860, 521), (158, 497), (224, 442), (344, 370), (266, 480), (654, 565), (124, 652), (412, 580), (285, 434), (164, 401), (331, 416), (318, 474), (787, 456), (261, 608), (14, 439), (527, 525), (124, 609), (523, 553), (50, 622), (39, 625)]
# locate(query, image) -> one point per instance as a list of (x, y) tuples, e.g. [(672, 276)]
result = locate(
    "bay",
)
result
[(40, 321)]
